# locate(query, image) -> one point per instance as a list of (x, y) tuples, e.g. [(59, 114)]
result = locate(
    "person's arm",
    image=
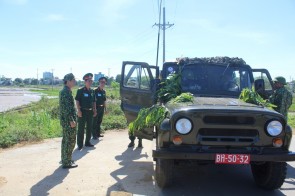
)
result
[(78, 108), (94, 109), (78, 98), (105, 107)]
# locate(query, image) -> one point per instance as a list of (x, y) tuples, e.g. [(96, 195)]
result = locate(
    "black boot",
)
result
[(132, 138)]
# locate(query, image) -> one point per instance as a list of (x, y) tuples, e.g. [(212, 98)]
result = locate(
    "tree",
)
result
[(18, 81), (111, 80), (34, 82), (118, 78), (27, 81)]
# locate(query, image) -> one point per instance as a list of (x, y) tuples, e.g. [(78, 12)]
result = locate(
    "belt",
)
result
[(100, 105), (86, 108)]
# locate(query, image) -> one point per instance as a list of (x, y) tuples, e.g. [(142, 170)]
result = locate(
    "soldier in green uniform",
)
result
[(281, 97), (100, 97), (67, 121), (86, 107)]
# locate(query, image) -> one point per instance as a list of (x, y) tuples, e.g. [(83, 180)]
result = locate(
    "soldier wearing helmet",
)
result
[(281, 97)]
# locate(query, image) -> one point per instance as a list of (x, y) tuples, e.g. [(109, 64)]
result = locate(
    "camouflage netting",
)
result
[(222, 60)]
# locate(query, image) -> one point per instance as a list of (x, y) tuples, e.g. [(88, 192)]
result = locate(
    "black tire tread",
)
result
[(163, 174), (270, 175)]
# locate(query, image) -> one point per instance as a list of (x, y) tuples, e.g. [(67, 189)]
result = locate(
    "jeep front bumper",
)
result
[(167, 154)]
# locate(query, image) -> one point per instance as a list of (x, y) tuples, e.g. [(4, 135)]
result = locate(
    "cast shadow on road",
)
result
[(134, 176), (137, 177), (46, 184), (290, 179), (215, 180), (78, 154), (42, 187)]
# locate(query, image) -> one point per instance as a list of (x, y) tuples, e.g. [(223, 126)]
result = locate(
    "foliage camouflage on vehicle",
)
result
[(250, 96), (218, 60)]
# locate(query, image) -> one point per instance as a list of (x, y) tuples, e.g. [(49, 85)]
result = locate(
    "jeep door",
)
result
[(263, 74), (137, 89)]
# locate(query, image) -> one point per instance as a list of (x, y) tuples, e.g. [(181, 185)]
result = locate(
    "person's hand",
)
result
[(94, 113), (79, 113), (106, 112), (73, 124)]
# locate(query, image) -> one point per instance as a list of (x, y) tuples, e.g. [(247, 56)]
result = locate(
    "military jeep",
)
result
[(217, 127)]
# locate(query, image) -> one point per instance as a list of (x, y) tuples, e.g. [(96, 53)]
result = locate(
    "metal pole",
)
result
[(164, 27)]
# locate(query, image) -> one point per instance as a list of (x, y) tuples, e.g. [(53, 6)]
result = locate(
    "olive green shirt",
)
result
[(85, 97), (100, 96)]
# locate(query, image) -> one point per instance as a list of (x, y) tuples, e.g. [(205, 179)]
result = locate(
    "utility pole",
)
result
[(164, 26)]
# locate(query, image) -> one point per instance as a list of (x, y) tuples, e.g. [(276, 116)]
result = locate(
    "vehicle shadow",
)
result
[(49, 182), (134, 176), (215, 180), (290, 179)]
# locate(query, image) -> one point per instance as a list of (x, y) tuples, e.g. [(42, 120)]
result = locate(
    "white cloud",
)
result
[(111, 10), (16, 2), (55, 17)]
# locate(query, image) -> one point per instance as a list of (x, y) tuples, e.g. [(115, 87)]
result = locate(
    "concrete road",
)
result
[(112, 169)]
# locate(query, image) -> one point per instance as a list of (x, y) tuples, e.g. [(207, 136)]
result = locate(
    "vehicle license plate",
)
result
[(232, 159)]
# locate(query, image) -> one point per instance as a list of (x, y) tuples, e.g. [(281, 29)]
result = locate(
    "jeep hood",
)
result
[(217, 103)]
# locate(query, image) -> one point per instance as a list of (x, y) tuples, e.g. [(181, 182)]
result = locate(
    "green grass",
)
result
[(40, 120), (292, 108), (291, 120), (35, 123)]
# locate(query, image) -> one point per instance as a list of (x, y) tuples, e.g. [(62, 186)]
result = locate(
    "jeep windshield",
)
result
[(214, 79)]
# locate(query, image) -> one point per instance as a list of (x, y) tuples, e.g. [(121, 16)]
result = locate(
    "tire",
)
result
[(163, 172), (269, 175)]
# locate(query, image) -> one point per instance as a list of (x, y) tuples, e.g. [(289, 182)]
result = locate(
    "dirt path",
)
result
[(112, 169)]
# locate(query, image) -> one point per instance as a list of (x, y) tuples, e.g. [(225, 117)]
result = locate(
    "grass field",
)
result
[(292, 108), (40, 120)]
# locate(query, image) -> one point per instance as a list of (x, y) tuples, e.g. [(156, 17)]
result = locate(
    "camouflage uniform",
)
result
[(67, 115), (282, 98)]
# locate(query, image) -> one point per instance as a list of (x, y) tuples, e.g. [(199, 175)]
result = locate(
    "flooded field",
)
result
[(15, 97)]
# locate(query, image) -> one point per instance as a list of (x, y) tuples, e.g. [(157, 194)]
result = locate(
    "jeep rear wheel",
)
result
[(163, 172), (269, 175)]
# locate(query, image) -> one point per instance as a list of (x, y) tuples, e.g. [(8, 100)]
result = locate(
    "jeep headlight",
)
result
[(183, 126), (274, 128)]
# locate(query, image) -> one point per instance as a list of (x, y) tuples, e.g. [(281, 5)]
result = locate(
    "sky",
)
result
[(82, 36)]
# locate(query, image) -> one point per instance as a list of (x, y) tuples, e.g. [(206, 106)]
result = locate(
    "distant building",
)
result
[(47, 75), (97, 76)]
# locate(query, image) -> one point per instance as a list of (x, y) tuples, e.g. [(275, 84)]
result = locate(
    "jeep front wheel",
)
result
[(269, 175), (163, 172)]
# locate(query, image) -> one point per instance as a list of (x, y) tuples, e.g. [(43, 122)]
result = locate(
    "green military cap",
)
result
[(69, 77), (87, 76), (280, 79)]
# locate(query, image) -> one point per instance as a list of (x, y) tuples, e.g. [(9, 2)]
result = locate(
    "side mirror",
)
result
[(259, 86)]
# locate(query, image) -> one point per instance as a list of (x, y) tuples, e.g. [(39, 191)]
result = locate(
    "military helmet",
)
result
[(280, 79)]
